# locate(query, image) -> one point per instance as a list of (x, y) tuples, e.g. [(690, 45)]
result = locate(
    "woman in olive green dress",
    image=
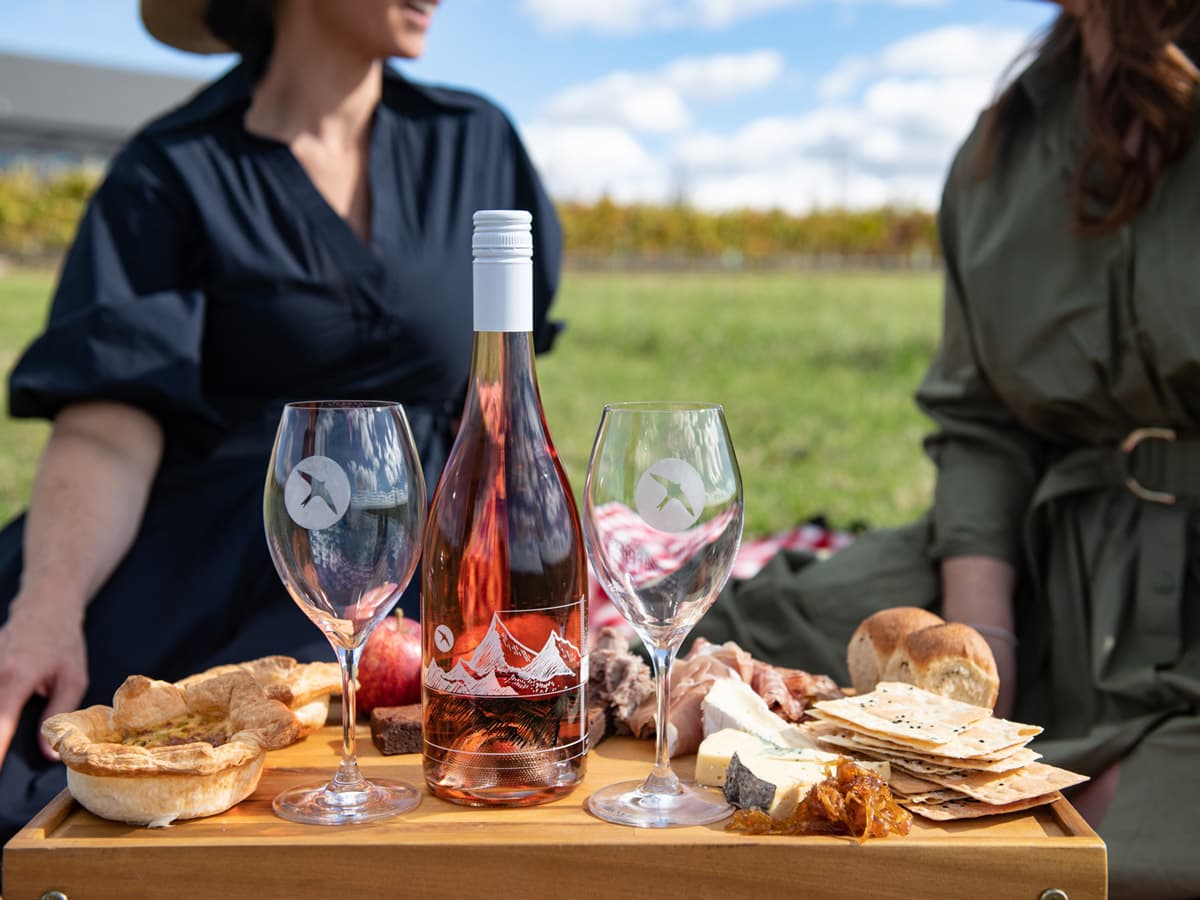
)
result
[(1066, 399)]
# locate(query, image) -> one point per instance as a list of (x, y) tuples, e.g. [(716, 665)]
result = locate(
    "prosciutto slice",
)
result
[(623, 680)]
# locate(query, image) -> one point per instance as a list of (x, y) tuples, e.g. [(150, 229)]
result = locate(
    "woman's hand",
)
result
[(1005, 653), (978, 591), (39, 654), (89, 494)]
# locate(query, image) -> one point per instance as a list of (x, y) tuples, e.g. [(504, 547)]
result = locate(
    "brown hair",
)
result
[(1139, 105)]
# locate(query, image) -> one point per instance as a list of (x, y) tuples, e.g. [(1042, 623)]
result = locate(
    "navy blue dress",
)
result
[(210, 283)]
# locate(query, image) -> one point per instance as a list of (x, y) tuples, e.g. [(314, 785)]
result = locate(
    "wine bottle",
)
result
[(504, 575)]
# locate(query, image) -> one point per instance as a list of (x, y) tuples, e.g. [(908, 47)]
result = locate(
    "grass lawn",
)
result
[(816, 372), (23, 300)]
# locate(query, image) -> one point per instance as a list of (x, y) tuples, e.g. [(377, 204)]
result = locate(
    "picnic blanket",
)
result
[(658, 553)]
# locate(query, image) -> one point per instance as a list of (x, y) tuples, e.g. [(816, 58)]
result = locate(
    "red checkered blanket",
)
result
[(657, 552)]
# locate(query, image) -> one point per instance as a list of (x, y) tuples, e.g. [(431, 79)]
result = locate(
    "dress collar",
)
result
[(1045, 76)]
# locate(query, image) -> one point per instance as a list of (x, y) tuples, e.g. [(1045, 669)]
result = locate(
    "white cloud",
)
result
[(724, 76), (624, 100), (657, 101), (886, 135), (960, 52), (580, 162), (633, 16)]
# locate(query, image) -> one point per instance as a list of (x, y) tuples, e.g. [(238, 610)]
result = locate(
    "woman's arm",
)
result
[(89, 495), (988, 463), (978, 590)]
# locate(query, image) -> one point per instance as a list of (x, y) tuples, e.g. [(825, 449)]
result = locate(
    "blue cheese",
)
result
[(759, 774), (774, 786), (717, 751)]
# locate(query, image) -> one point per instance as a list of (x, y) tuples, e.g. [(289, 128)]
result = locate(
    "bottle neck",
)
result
[(502, 357), (502, 396)]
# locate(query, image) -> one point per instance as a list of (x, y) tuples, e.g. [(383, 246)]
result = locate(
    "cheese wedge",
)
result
[(731, 703), (717, 751), (773, 785)]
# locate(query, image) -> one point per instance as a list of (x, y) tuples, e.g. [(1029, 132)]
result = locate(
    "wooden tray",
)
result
[(442, 850)]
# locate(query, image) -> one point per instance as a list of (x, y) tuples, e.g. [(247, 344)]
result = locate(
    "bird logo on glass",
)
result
[(317, 493), (670, 495)]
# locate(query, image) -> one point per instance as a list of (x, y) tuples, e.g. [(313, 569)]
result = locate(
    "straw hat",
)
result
[(180, 24)]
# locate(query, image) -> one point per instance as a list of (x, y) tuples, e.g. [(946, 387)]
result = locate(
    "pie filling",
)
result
[(189, 729)]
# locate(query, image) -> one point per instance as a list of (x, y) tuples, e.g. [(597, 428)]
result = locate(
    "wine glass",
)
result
[(344, 508), (662, 523)]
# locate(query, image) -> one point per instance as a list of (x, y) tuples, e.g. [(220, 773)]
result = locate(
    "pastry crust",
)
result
[(305, 688), (158, 800), (135, 761)]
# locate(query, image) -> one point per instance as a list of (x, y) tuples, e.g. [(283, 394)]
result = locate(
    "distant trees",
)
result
[(604, 231), (38, 217), (39, 214)]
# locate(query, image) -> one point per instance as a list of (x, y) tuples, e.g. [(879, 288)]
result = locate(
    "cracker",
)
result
[(905, 712), (1033, 780), (932, 798), (904, 783), (950, 810), (988, 740), (1018, 756)]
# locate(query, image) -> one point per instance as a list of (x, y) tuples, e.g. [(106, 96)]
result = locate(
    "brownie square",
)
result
[(396, 729)]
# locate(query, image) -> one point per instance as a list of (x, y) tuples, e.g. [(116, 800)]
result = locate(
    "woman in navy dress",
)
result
[(299, 229)]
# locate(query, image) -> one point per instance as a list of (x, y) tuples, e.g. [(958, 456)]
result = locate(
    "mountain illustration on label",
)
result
[(502, 666), (317, 493), (670, 495)]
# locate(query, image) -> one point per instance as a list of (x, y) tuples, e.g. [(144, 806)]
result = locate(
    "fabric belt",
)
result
[(1155, 464), (1162, 470)]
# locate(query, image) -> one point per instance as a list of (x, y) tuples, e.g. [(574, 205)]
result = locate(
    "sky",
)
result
[(791, 104)]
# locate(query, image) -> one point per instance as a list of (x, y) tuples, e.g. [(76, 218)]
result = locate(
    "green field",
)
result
[(816, 372)]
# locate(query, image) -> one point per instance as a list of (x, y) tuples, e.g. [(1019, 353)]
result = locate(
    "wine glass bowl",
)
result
[(662, 522), (344, 511)]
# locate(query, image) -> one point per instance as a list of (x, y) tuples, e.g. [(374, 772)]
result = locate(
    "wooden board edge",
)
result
[(238, 871), (38, 829), (1071, 821)]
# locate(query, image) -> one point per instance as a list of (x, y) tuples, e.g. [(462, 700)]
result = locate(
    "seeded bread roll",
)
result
[(877, 639), (950, 659)]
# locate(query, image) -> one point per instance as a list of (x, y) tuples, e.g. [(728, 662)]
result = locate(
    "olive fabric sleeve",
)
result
[(986, 461)]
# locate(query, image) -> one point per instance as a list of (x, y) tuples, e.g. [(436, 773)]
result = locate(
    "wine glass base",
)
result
[(629, 803), (316, 804)]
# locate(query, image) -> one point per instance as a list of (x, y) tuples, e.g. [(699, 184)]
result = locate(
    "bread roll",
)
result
[(951, 659), (877, 638)]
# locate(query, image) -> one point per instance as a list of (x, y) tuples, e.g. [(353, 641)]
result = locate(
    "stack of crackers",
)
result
[(949, 760)]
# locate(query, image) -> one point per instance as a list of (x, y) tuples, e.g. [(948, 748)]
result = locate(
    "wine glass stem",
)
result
[(348, 777), (662, 779)]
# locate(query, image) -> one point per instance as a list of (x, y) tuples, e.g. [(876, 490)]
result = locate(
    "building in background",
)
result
[(57, 114)]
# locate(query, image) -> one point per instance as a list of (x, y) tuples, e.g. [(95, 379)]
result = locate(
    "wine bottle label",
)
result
[(522, 653), (670, 495)]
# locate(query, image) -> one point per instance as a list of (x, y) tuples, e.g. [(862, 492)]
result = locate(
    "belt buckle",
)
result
[(1128, 445)]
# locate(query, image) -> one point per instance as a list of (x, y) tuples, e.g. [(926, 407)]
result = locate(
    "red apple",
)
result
[(389, 670)]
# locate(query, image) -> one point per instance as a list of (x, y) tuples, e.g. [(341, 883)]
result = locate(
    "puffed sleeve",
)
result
[(987, 463), (547, 243), (127, 318)]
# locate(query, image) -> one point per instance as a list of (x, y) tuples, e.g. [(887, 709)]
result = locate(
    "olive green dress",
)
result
[(1054, 349)]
